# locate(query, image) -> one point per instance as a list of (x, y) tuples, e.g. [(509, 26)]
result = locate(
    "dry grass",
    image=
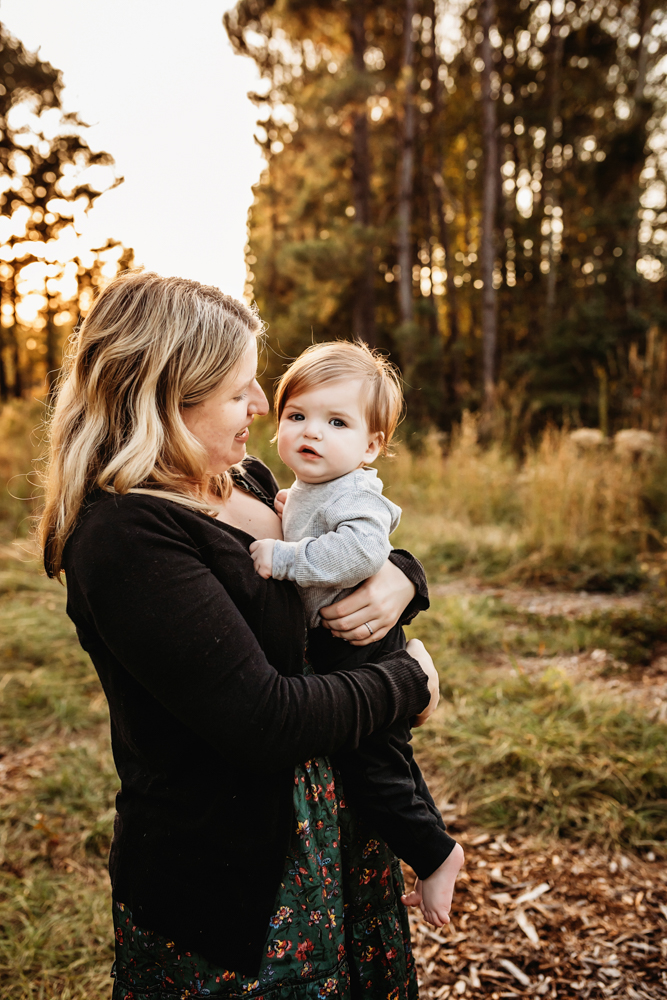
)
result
[(20, 449), (57, 784), (588, 520), (563, 515)]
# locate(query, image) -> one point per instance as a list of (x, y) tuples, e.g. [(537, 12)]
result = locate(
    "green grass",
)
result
[(56, 808), (537, 754)]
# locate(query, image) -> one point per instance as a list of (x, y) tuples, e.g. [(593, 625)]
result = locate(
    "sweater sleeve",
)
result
[(411, 567), (170, 622), (355, 547)]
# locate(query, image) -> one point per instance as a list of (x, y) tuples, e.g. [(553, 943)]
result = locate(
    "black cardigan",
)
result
[(200, 660)]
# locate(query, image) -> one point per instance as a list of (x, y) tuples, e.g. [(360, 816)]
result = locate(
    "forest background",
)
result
[(478, 189)]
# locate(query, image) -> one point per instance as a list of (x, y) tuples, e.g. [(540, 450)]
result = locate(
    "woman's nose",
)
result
[(258, 403)]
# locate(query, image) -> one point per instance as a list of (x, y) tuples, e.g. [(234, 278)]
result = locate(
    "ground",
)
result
[(583, 914)]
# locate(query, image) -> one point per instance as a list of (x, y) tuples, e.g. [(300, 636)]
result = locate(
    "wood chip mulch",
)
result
[(529, 922)]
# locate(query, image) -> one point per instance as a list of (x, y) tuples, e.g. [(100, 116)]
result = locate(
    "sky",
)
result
[(163, 92)]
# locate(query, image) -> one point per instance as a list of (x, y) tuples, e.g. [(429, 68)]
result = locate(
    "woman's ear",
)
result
[(373, 450)]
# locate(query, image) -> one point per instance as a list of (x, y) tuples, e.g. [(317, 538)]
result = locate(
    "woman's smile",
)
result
[(243, 434)]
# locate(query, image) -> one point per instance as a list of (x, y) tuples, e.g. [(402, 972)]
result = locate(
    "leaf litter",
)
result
[(567, 922)]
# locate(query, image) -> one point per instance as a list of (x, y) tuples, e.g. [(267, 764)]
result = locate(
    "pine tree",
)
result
[(568, 253)]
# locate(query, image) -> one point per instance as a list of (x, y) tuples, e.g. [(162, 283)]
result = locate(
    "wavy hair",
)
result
[(149, 347)]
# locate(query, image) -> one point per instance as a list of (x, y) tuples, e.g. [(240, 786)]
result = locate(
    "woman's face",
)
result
[(220, 423)]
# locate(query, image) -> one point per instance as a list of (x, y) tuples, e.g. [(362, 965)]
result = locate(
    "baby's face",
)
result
[(323, 433)]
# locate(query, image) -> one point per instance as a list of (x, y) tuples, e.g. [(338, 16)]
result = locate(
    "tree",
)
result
[(48, 179), (363, 321), (489, 198), (406, 169)]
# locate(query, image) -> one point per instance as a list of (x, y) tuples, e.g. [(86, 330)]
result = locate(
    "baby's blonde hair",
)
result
[(340, 360)]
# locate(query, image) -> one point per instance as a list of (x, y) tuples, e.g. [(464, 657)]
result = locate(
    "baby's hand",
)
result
[(262, 556), (434, 894), (279, 502)]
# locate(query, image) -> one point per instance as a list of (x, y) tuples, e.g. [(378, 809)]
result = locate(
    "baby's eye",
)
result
[(337, 422), (296, 416)]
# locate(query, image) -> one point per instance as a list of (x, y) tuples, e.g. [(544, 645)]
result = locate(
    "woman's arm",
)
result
[(169, 621), (395, 594)]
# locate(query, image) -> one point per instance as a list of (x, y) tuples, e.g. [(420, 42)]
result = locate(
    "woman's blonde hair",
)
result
[(339, 361), (149, 347)]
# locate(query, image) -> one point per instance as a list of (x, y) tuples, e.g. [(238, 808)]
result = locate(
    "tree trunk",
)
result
[(639, 116), (4, 387), (363, 318), (17, 386), (557, 43), (405, 188), (53, 362), (439, 192), (489, 204), (12, 336)]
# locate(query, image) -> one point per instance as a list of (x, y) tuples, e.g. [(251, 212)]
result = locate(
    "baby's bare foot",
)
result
[(438, 889)]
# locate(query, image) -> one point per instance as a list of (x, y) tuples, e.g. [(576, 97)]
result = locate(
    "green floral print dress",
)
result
[(339, 929)]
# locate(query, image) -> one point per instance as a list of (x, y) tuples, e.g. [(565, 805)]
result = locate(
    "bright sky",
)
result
[(158, 82)]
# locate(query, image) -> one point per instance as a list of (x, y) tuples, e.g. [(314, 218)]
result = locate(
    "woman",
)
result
[(218, 734)]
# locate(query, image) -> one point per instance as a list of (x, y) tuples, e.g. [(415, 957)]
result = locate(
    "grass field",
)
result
[(552, 723)]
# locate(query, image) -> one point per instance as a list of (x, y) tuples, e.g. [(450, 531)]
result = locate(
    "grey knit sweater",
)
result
[(336, 535)]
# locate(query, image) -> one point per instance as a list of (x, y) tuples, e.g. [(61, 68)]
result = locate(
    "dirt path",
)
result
[(646, 686), (545, 602)]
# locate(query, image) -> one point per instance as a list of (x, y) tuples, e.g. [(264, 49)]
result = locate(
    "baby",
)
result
[(337, 408)]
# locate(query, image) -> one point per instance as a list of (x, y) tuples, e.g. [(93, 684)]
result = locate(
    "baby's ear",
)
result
[(374, 447)]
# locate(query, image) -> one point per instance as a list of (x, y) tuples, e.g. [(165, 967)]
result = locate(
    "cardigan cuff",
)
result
[(411, 567), (433, 851), (407, 681)]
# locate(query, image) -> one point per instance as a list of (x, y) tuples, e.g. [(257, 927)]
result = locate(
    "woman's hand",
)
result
[(368, 613), (418, 650)]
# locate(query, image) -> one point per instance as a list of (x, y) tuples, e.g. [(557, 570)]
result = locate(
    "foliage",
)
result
[(579, 269)]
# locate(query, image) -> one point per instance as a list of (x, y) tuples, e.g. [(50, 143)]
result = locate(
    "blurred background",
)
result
[(479, 190)]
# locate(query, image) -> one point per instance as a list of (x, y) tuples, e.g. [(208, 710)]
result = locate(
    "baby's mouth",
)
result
[(307, 450)]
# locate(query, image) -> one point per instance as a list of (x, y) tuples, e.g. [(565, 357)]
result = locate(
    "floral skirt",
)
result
[(339, 929)]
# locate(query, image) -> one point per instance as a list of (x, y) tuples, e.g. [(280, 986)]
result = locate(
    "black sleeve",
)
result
[(169, 621), (413, 569), (380, 779)]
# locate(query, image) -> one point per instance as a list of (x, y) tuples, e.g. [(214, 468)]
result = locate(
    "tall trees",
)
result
[(49, 178), (544, 228)]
